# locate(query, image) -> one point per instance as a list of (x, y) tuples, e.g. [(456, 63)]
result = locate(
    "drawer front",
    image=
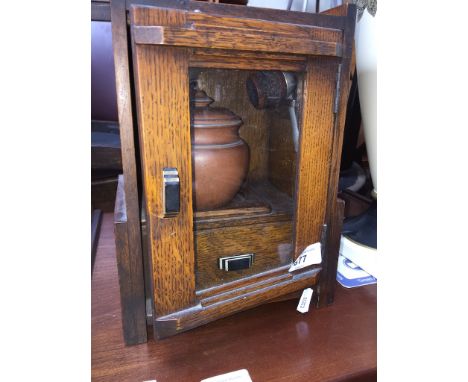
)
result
[(271, 244)]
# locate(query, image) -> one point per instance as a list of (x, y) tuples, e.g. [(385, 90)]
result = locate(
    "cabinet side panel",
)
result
[(164, 120), (334, 209), (314, 154), (128, 238)]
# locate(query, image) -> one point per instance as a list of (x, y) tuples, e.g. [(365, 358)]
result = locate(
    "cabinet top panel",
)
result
[(200, 25)]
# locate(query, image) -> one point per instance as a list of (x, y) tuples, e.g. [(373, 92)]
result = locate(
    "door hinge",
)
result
[(337, 90), (324, 239)]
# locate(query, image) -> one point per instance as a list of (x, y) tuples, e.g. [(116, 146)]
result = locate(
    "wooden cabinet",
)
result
[(204, 265)]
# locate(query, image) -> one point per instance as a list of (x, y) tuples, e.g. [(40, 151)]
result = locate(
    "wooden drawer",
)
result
[(271, 243)]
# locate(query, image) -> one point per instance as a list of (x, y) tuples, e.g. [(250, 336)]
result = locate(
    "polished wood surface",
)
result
[(282, 165), (161, 55), (161, 75), (239, 40), (271, 243), (132, 272), (227, 87), (273, 342), (309, 32), (268, 14), (132, 293), (199, 30), (328, 276), (223, 59), (267, 234), (314, 152), (335, 207)]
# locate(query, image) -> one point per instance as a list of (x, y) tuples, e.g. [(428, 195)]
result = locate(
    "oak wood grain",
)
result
[(226, 10), (282, 163), (271, 244), (281, 209), (252, 296), (246, 288), (215, 61), (132, 295), (216, 38), (329, 277), (268, 205), (206, 294), (316, 133), (233, 27), (130, 259), (340, 115), (335, 208), (162, 95), (300, 31), (224, 59), (161, 80), (229, 211), (273, 342)]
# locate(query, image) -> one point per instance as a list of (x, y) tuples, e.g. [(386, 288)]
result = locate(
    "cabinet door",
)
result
[(236, 178)]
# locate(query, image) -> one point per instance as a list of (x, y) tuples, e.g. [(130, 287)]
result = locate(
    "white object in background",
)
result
[(305, 300), (366, 67), (361, 255), (350, 275), (309, 256), (296, 5), (275, 4), (235, 376)]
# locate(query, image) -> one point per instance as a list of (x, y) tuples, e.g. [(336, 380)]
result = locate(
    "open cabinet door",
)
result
[(198, 69)]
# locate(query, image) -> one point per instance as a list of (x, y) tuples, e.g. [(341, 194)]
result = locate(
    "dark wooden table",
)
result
[(273, 342)]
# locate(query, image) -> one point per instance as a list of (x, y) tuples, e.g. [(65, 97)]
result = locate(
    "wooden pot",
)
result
[(220, 156)]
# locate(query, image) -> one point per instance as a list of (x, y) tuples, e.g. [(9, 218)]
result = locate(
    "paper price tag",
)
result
[(310, 256), (235, 376), (304, 301)]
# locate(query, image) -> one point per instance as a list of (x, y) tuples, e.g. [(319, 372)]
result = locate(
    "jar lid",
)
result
[(205, 116)]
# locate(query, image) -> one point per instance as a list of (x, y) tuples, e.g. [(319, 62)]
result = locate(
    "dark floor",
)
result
[(273, 342)]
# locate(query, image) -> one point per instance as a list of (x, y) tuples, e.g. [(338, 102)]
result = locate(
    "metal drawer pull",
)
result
[(236, 263), (171, 192)]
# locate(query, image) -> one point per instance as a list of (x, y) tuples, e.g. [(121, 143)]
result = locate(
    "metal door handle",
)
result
[(236, 263), (171, 192)]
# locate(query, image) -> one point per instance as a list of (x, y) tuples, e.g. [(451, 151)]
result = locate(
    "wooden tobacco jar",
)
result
[(220, 156), (207, 224)]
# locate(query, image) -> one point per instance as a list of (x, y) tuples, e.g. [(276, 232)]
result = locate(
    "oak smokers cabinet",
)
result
[(179, 266)]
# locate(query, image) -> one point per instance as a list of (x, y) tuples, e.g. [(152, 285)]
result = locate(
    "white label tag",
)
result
[(235, 376), (311, 255), (305, 300)]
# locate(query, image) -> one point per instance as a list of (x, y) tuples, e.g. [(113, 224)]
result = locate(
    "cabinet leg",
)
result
[(334, 249), (132, 296), (131, 278)]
